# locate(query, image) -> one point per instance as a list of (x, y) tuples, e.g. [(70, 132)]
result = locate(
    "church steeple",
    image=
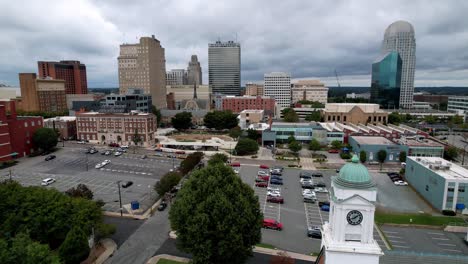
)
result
[(195, 91)]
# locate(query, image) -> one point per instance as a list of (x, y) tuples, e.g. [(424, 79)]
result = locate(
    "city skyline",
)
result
[(339, 41)]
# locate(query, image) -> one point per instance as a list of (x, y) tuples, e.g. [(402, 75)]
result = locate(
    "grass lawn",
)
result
[(264, 245), (417, 219), (168, 261)]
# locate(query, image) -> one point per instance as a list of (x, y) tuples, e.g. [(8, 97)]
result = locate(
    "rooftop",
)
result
[(346, 107), (61, 118), (443, 168), (371, 140), (252, 111), (92, 113)]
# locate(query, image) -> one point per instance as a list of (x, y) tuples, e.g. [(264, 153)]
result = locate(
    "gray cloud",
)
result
[(305, 38)]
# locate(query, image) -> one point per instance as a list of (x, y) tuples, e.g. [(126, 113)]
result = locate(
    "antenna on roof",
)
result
[(236, 37)]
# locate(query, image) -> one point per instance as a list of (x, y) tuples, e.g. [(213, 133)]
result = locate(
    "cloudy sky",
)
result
[(309, 39)]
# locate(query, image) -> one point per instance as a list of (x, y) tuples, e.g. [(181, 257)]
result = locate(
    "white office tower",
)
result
[(348, 237), (399, 37), (278, 86)]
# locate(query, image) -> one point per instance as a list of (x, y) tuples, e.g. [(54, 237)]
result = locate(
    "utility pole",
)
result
[(120, 199), (86, 154), (10, 174)]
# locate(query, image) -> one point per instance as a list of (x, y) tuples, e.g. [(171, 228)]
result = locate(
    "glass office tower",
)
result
[(386, 80), (224, 67)]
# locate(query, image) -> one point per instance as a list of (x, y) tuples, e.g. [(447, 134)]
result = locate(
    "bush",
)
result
[(105, 230), (218, 158), (345, 155), (74, 248), (190, 162), (166, 183), (246, 146), (449, 213)]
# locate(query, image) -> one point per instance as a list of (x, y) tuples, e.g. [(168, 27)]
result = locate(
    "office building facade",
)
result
[(224, 67), (386, 80), (39, 94), (238, 104), (73, 72), (176, 77), (278, 86), (194, 72), (143, 66), (310, 90), (253, 89), (399, 37)]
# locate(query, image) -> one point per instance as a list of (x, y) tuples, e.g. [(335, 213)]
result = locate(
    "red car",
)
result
[(261, 184), (114, 145), (264, 167), (272, 224), (272, 199), (333, 151), (264, 177), (260, 180), (235, 164)]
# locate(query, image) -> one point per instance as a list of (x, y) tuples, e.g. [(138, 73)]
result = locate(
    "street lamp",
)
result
[(120, 199)]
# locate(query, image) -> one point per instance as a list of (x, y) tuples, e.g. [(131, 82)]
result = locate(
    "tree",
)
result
[(217, 217), (235, 132), (81, 190), (246, 146), (362, 156), (289, 115), (394, 118), (166, 183), (295, 147), (253, 134), (182, 121), (220, 120), (314, 145), (157, 113), (402, 156), (430, 119), (381, 156), (190, 162), (314, 116), (451, 153), (75, 248), (336, 144), (45, 138), (291, 139), (218, 158), (136, 137), (457, 120), (22, 249), (313, 104)]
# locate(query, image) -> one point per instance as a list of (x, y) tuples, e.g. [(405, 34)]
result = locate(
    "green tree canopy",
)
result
[(253, 134), (190, 162), (157, 113), (235, 132), (81, 190), (402, 156), (314, 145), (451, 153), (291, 139), (295, 146), (21, 249), (246, 146), (394, 118), (456, 119), (45, 138), (217, 217), (220, 120), (313, 104), (430, 119), (218, 158), (166, 183), (289, 115), (362, 156), (314, 116), (336, 144), (381, 157), (182, 121), (75, 248)]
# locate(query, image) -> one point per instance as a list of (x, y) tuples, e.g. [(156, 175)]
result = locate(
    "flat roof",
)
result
[(443, 168), (61, 118), (365, 140), (423, 143)]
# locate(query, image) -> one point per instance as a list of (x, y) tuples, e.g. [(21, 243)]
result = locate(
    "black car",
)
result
[(305, 175), (278, 177), (314, 232), (337, 170), (127, 184), (393, 173), (320, 184), (50, 157), (320, 203), (276, 181), (317, 174), (162, 206), (276, 172)]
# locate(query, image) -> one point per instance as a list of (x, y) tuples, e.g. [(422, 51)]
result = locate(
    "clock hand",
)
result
[(355, 217)]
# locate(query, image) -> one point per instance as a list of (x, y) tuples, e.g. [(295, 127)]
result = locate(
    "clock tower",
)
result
[(348, 237)]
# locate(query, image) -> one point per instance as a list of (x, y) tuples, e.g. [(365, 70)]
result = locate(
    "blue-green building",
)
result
[(443, 184), (386, 79), (302, 132)]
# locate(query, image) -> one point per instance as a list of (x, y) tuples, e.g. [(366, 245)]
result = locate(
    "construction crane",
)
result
[(337, 80)]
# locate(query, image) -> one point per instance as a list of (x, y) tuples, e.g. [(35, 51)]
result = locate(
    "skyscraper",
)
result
[(278, 86), (386, 80), (194, 70), (176, 77), (224, 70), (143, 66), (73, 72), (399, 37)]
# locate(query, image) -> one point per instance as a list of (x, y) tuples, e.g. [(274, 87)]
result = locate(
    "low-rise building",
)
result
[(310, 90), (249, 117), (121, 128), (458, 105), (134, 99), (253, 89), (354, 113), (239, 103), (441, 183), (65, 125)]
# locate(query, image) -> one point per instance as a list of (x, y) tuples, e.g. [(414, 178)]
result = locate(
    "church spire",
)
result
[(194, 91)]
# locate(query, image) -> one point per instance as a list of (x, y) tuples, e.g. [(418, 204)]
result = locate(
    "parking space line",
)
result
[(396, 246), (393, 236), (435, 238), (392, 232), (439, 234), (449, 245), (397, 241), (451, 250)]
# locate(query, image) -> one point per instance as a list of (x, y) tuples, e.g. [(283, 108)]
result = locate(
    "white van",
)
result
[(47, 181)]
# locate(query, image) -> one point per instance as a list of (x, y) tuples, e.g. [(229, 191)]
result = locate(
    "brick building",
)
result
[(105, 128), (42, 94), (239, 103), (16, 132), (354, 113), (73, 72), (66, 125)]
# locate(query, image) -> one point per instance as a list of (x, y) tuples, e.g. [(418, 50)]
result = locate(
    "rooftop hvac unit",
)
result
[(418, 159), (438, 162), (436, 167)]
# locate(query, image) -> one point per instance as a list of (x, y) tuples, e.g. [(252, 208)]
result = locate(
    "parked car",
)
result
[(264, 167), (281, 168), (333, 151), (235, 164), (314, 232), (262, 172), (400, 183), (276, 177), (396, 178), (47, 181), (81, 142), (276, 172), (305, 175), (99, 165), (162, 206), (261, 184), (307, 185), (325, 208), (393, 173), (264, 177), (106, 162), (275, 199), (92, 151), (321, 190), (272, 224), (107, 153), (124, 146), (320, 184), (236, 171), (309, 199), (276, 181), (273, 189), (114, 145), (317, 174), (117, 153), (308, 192), (337, 170), (258, 179), (321, 203), (306, 180), (273, 193), (127, 184), (50, 157)]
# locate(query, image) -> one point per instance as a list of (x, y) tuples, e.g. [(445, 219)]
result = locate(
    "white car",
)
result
[(273, 194), (99, 165), (81, 142), (105, 162), (117, 153), (302, 180), (321, 190), (236, 171), (124, 146), (47, 181), (308, 193), (273, 189), (262, 173), (400, 183)]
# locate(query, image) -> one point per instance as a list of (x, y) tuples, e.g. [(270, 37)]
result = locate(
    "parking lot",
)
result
[(72, 167)]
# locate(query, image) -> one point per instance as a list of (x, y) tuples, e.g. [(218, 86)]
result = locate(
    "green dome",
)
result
[(354, 175)]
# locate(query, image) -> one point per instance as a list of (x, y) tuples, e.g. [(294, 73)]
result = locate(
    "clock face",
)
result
[(354, 217)]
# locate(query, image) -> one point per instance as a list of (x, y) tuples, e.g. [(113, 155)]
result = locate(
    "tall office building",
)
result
[(194, 71), (176, 77), (73, 72), (224, 67), (386, 80), (399, 37), (42, 94), (278, 86), (143, 66)]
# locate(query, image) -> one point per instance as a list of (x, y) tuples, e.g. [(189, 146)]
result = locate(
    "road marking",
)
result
[(393, 236), (452, 250), (397, 242), (435, 238), (391, 232), (439, 234), (396, 246), (450, 245)]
